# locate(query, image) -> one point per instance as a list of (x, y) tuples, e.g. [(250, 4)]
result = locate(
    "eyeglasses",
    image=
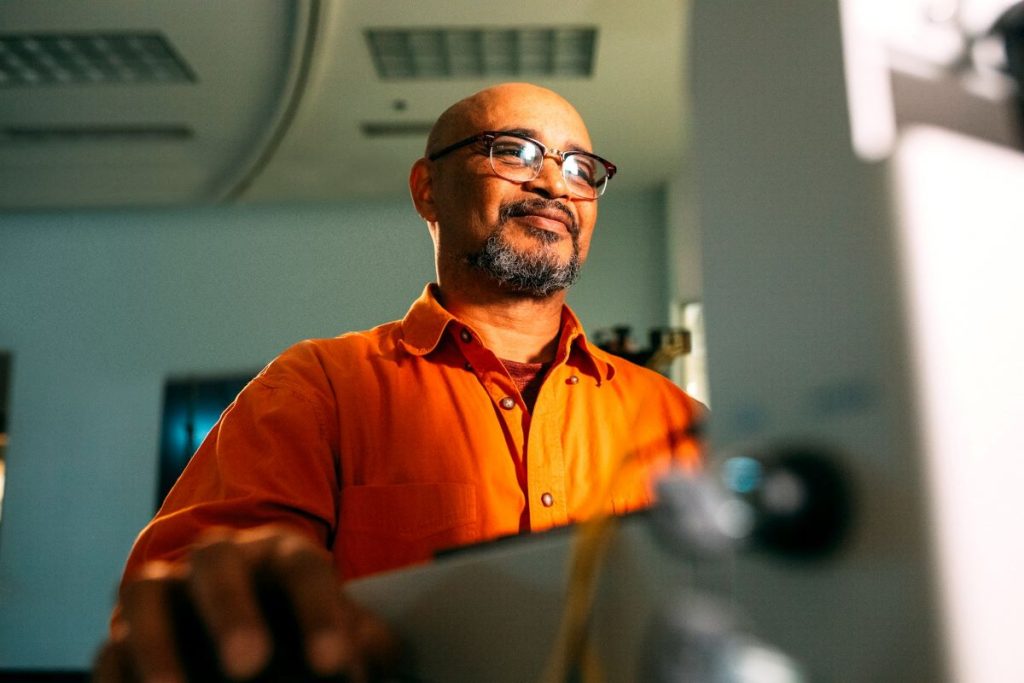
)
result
[(520, 158)]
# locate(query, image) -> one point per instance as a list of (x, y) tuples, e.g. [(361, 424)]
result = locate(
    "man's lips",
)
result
[(548, 215), (549, 223), (553, 220)]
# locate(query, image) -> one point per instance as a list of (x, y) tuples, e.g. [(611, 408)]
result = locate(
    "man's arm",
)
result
[(233, 574)]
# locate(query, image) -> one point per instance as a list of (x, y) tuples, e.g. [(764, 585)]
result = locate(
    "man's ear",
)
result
[(421, 187)]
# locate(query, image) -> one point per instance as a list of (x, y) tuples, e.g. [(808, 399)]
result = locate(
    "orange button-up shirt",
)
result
[(391, 444)]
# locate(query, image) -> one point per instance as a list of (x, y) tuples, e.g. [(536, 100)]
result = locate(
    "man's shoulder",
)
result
[(637, 380), (383, 337), (327, 356), (628, 372)]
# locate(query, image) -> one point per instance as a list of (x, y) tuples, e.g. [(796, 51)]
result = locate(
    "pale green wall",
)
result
[(100, 307)]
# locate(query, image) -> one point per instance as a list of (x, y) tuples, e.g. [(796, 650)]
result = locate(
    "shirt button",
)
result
[(547, 499), (466, 336), (573, 379), (508, 403)]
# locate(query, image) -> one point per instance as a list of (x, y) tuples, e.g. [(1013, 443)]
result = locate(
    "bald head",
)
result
[(504, 237), (481, 110)]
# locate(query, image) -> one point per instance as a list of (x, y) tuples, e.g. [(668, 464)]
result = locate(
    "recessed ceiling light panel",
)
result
[(446, 53), (37, 59)]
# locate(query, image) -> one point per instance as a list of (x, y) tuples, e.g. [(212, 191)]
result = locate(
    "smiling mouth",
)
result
[(545, 223), (550, 216)]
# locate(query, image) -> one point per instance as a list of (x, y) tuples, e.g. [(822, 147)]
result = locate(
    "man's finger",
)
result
[(223, 592), (150, 636), (307, 579), (112, 664)]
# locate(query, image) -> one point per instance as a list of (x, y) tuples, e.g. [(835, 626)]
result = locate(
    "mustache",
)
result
[(526, 207)]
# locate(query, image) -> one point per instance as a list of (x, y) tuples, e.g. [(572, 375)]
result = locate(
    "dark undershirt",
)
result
[(528, 378)]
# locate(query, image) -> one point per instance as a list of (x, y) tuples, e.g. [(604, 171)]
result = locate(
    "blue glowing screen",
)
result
[(191, 407)]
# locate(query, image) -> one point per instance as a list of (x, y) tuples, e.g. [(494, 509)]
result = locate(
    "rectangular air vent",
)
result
[(54, 134), (46, 59), (443, 53)]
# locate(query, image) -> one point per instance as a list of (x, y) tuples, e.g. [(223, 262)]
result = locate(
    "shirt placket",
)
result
[(508, 404), (546, 461), (537, 442)]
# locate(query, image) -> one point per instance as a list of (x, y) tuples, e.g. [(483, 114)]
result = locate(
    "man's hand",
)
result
[(263, 603)]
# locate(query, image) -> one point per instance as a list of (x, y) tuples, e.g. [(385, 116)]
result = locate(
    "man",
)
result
[(484, 412)]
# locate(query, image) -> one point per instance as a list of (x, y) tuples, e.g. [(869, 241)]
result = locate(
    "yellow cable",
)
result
[(573, 649), (572, 643)]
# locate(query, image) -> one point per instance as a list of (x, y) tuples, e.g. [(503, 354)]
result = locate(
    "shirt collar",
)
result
[(573, 337), (424, 324), (426, 321)]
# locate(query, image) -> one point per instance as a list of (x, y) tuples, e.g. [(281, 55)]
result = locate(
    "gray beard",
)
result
[(536, 273)]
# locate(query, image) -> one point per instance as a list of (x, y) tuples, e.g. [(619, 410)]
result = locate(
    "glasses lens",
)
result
[(515, 158), (520, 160), (585, 174)]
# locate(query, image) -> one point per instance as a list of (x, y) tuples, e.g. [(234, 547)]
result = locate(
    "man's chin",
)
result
[(516, 261), (544, 249), (548, 238)]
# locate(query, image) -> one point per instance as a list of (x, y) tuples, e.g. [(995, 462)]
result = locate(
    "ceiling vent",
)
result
[(38, 59), (449, 53)]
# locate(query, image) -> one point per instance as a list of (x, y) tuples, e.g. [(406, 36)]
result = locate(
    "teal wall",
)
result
[(99, 308)]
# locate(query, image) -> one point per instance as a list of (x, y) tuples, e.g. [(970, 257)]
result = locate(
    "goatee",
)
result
[(535, 272)]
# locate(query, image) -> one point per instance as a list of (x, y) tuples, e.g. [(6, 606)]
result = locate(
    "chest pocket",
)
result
[(385, 527)]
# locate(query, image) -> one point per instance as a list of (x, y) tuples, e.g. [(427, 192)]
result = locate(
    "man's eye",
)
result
[(508, 151), (580, 168), (513, 151)]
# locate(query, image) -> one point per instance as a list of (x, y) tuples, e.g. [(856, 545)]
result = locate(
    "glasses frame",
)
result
[(488, 137)]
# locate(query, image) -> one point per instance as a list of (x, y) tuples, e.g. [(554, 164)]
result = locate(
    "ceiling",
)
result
[(275, 101)]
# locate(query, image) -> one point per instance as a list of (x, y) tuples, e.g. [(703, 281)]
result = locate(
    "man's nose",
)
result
[(549, 182)]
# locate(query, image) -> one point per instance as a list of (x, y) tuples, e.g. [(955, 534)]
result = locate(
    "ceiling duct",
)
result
[(449, 53)]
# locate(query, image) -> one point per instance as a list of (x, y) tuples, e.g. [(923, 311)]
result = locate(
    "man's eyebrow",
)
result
[(535, 134)]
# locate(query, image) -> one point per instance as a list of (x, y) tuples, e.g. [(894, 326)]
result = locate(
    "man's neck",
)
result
[(514, 327)]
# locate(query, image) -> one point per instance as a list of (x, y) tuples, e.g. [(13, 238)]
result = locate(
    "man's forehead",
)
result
[(516, 107), (554, 133), (569, 145)]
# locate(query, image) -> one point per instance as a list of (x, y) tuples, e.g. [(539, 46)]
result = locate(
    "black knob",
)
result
[(801, 497)]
